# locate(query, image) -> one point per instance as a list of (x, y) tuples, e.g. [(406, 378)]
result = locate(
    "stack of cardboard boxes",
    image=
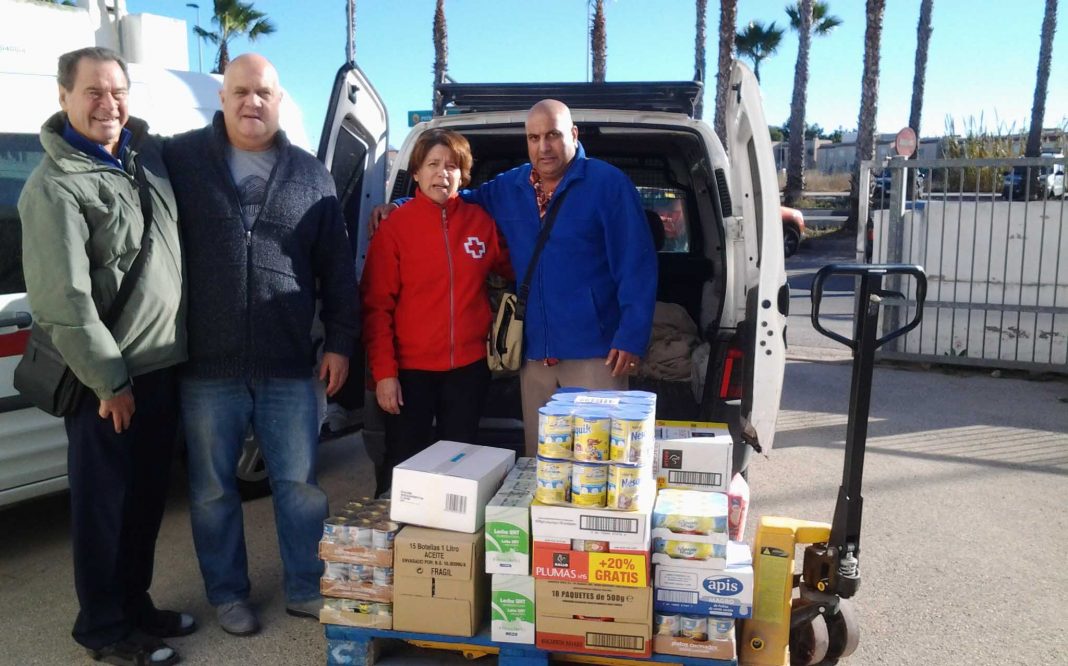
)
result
[(508, 556), (702, 581), (357, 551), (440, 584)]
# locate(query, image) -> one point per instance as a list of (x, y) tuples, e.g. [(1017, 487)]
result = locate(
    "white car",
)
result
[(722, 256)]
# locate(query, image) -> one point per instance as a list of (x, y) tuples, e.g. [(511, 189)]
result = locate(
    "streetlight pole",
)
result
[(200, 45)]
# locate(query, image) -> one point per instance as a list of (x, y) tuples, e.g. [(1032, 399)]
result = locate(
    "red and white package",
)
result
[(737, 507)]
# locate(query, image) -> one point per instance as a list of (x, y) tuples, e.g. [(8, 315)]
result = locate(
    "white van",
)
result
[(33, 445), (724, 263)]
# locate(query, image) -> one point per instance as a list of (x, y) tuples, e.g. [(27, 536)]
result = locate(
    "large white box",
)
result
[(696, 463), (713, 591), (624, 529), (447, 485)]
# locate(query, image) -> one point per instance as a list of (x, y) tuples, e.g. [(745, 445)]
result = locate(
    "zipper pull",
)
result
[(248, 239)]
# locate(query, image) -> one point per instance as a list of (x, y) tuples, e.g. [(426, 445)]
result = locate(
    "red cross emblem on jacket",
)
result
[(475, 247)]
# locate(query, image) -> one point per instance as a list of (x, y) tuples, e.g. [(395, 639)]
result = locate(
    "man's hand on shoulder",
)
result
[(120, 409), (379, 213), (333, 370), (623, 363)]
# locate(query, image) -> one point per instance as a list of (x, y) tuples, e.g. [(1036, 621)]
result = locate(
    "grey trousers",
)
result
[(538, 382)]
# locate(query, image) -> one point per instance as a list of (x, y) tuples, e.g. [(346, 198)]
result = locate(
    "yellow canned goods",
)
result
[(629, 435), (624, 484), (589, 484), (553, 481), (592, 432)]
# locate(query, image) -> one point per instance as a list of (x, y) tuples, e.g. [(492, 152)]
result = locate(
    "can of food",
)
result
[(364, 532), (362, 573), (349, 605), (624, 484), (720, 629), (553, 481), (589, 484), (628, 439), (337, 571), (384, 534), (694, 627), (666, 624), (383, 576), (554, 431), (589, 546), (683, 550), (372, 514), (354, 506), (383, 608), (335, 530), (592, 431)]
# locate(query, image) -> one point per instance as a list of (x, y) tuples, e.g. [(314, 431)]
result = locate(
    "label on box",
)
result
[(718, 592), (629, 529), (430, 553), (559, 562), (701, 463)]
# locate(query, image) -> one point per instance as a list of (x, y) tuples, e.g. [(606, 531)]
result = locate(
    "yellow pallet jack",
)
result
[(820, 625)]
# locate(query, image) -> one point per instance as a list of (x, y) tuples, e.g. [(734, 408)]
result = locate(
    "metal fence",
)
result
[(992, 236)]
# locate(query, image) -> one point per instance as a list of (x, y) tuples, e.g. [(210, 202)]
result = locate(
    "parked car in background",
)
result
[(881, 186), (1035, 182), (793, 230)]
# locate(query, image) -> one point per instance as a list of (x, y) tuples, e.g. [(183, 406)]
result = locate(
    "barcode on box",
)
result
[(615, 642), (676, 596), (455, 503), (696, 478), (609, 524)]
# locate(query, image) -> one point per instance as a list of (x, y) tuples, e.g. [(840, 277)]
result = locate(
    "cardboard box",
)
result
[(330, 551), (720, 645), (557, 561), (439, 585), (508, 522), (512, 609), (448, 484), (687, 429), (564, 610), (698, 463), (349, 589), (628, 529), (706, 591), (350, 619)]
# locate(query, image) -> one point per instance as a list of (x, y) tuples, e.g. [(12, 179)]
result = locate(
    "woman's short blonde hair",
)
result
[(454, 141)]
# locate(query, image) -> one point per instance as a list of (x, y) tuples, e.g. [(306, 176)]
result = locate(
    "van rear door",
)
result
[(755, 190), (353, 147)]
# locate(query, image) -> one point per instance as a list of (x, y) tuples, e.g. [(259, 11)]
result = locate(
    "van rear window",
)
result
[(19, 154), (670, 206)]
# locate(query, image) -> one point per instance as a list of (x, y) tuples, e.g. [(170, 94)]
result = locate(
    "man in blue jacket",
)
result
[(262, 229), (590, 310)]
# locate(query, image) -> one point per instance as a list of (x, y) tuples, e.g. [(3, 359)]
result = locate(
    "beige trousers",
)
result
[(538, 382)]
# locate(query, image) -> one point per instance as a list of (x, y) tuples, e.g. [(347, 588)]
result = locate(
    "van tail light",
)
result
[(730, 387)]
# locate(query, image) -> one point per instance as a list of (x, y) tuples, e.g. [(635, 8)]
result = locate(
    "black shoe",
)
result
[(137, 649)]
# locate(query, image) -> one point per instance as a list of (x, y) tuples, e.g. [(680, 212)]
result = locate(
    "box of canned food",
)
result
[(357, 613), (586, 561), (693, 636), (706, 590)]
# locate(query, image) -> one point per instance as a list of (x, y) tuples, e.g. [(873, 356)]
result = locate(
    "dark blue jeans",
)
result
[(217, 414), (118, 487)]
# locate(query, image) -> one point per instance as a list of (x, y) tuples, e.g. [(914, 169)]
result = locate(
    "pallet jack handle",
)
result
[(845, 528)]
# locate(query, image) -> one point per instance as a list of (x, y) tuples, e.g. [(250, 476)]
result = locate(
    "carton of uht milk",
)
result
[(508, 522), (512, 609)]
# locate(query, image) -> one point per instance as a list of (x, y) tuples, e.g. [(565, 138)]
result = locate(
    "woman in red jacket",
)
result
[(426, 313)]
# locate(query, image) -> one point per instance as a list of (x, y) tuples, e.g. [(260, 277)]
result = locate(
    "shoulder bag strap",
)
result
[(543, 238), (138, 265)]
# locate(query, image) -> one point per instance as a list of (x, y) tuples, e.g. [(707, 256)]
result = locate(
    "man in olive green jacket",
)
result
[(82, 227)]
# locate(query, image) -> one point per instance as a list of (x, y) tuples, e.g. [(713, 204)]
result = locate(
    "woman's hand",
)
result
[(388, 392)]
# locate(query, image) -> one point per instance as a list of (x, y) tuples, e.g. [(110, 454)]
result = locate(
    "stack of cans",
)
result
[(595, 448)]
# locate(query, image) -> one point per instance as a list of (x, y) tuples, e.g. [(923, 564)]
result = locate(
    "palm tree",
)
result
[(919, 76), (728, 18), (806, 17), (234, 18), (699, 55), (1045, 56), (869, 102), (599, 43), (441, 55), (757, 42), (350, 32)]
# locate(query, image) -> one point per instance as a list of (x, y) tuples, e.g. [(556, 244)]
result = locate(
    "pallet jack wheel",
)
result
[(809, 642), (844, 630)]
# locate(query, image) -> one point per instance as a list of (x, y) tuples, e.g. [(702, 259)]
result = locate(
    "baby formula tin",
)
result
[(592, 431), (589, 484), (694, 627), (624, 484), (553, 481), (666, 624), (628, 439), (554, 431)]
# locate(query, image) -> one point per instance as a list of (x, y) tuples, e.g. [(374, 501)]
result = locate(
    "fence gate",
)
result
[(991, 234)]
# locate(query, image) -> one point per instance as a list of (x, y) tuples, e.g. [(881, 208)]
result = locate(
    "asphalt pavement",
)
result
[(963, 543)]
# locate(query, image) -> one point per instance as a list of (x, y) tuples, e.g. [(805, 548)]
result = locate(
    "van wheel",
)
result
[(252, 481), (791, 241)]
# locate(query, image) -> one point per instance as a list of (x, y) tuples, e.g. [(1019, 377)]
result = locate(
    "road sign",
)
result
[(905, 142)]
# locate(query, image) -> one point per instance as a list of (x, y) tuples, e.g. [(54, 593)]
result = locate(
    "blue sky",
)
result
[(982, 63)]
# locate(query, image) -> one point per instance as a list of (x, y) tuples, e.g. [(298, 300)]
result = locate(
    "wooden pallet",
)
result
[(359, 646)]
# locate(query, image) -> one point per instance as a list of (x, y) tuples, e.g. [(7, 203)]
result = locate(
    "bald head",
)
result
[(251, 96), (552, 140)]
